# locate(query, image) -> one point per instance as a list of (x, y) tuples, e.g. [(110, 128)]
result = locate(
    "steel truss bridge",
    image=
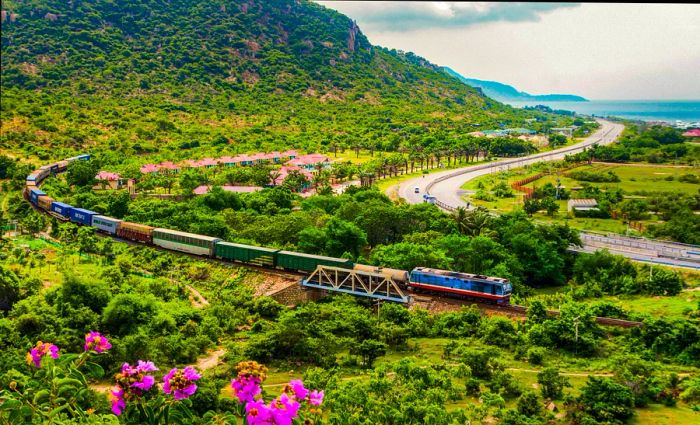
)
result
[(356, 282)]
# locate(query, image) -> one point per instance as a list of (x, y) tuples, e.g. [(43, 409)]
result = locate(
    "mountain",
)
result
[(153, 76), (504, 92)]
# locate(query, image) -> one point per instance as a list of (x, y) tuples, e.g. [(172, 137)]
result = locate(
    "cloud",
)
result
[(408, 16)]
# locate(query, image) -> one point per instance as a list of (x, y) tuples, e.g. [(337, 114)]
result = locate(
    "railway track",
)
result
[(510, 310)]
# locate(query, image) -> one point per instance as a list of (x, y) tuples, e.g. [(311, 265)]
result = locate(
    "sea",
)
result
[(645, 110)]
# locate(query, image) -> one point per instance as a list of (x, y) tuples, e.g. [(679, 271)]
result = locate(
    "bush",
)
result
[(535, 355), (594, 176), (689, 178)]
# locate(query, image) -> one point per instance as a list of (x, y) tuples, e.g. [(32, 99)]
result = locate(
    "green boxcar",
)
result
[(264, 257), (307, 262)]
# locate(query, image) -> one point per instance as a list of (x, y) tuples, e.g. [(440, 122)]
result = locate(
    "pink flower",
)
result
[(39, 351), (284, 409), (316, 397), (246, 388), (145, 367), (145, 383), (258, 413), (95, 341), (298, 388), (116, 397), (181, 382)]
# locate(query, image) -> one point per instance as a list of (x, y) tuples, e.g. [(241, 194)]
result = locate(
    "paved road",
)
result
[(445, 186)]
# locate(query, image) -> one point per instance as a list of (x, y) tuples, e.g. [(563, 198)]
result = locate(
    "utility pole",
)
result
[(576, 323)]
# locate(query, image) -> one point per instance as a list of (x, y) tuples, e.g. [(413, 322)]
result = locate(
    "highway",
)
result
[(445, 187)]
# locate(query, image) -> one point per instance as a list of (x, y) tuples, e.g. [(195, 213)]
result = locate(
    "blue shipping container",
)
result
[(61, 208), (34, 195), (106, 224), (81, 216)]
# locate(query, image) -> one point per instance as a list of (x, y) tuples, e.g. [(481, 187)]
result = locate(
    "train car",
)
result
[(61, 209), (185, 242), (53, 168), (45, 202), (135, 232), (258, 256), (106, 224), (32, 179), (41, 173), (34, 195), (83, 157), (62, 166), (30, 185), (494, 289), (82, 216), (308, 262), (398, 276)]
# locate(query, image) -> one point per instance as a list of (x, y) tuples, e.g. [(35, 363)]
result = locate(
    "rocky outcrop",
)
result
[(352, 36)]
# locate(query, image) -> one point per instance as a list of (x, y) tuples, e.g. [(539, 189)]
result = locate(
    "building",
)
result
[(283, 173), (310, 161), (582, 204), (107, 180), (692, 133)]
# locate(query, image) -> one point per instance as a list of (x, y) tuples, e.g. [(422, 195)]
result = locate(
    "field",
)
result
[(635, 180)]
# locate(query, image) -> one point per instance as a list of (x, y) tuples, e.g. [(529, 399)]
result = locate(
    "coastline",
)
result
[(669, 111)]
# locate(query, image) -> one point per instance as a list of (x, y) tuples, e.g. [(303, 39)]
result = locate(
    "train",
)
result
[(421, 279)]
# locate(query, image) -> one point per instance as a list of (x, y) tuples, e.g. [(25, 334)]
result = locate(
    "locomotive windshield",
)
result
[(507, 289)]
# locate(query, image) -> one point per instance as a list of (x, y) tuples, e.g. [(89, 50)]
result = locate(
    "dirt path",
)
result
[(210, 361), (197, 300)]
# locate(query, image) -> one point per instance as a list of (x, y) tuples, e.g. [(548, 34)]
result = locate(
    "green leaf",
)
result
[(41, 396), (94, 370), (58, 410), (10, 404)]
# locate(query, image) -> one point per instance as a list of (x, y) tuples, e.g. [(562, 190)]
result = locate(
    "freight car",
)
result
[(135, 232), (184, 242), (61, 209), (34, 195), (81, 216), (290, 260), (255, 255), (45, 202), (493, 289), (106, 224)]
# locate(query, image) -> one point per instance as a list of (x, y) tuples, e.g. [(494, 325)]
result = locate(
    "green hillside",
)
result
[(147, 76)]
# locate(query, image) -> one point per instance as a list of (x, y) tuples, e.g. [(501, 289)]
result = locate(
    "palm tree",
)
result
[(472, 222)]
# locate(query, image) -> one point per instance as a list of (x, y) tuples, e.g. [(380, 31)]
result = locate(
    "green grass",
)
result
[(633, 179), (657, 306)]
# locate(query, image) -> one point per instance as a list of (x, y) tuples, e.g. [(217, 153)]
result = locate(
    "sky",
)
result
[(599, 51)]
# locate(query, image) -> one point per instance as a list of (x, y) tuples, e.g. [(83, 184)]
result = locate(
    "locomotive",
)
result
[(420, 279)]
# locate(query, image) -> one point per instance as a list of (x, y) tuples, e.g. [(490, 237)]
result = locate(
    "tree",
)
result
[(529, 404), (557, 140), (663, 282), (472, 222), (82, 173), (549, 204), (9, 288), (86, 240), (406, 256), (343, 236), (606, 401), (552, 384), (118, 204), (531, 206), (369, 350)]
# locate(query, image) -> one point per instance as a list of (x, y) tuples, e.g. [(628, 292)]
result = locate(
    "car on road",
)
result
[(417, 189)]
